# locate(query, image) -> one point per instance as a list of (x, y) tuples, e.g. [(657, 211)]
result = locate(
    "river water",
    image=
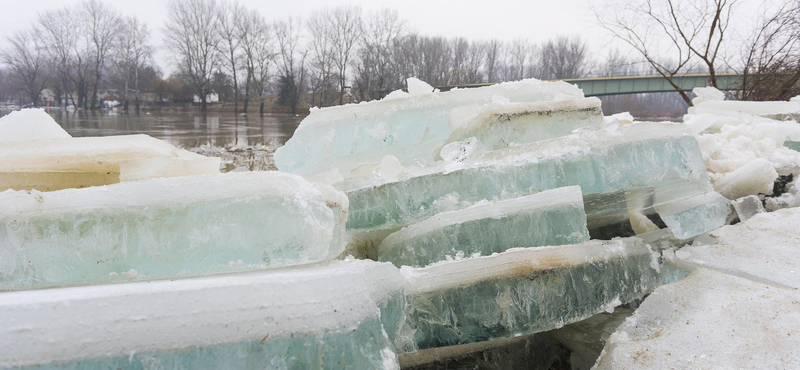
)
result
[(241, 141)]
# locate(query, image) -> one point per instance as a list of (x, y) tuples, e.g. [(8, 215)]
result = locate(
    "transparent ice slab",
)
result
[(553, 217), (709, 320), (410, 128), (56, 164), (521, 291), (166, 228), (326, 316), (499, 125), (619, 171)]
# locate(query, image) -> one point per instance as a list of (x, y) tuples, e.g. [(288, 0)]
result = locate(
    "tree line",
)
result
[(346, 54)]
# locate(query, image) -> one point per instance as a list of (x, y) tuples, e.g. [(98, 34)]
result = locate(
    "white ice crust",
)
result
[(30, 124), (709, 320), (765, 248)]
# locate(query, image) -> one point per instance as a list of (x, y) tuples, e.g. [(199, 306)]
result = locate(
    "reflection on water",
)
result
[(241, 141), (183, 130)]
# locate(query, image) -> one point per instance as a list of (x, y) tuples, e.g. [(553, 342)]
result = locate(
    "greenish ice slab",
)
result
[(409, 127), (631, 169), (793, 145), (553, 217), (340, 315), (167, 228), (522, 291)]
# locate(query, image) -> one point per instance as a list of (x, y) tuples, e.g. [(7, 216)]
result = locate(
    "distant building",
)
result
[(211, 97)]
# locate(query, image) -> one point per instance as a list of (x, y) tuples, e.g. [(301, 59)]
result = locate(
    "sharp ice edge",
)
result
[(553, 217), (320, 316), (521, 291)]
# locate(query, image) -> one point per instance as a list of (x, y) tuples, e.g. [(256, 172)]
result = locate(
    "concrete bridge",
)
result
[(599, 86)]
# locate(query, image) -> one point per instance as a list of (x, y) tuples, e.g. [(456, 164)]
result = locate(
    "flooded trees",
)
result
[(27, 62), (194, 42)]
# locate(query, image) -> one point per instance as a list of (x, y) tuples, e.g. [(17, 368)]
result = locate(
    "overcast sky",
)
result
[(536, 20)]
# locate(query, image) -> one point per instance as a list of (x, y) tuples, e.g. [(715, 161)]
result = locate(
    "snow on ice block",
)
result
[(709, 320), (764, 248), (331, 316), (757, 176), (410, 127), (89, 161), (553, 217), (522, 291), (747, 207), (30, 124), (186, 164), (632, 168), (499, 125), (166, 228)]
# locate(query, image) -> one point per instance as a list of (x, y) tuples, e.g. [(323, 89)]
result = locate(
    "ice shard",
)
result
[(709, 320), (498, 125), (330, 316), (747, 207), (631, 169), (753, 178), (763, 248), (553, 217), (411, 127), (521, 291), (166, 228), (56, 164)]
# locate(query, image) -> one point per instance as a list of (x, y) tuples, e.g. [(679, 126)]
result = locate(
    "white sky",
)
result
[(536, 20)]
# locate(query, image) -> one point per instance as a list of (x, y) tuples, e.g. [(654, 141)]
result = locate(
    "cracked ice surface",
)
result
[(709, 320), (410, 127), (327, 316), (766, 248), (553, 217), (633, 168), (521, 291), (165, 228)]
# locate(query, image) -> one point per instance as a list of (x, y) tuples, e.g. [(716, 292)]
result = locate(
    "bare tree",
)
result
[(375, 74), (291, 62), (322, 34), (563, 57), (771, 59), (27, 62), (346, 25), (264, 57), (492, 49), (132, 51), (691, 28), (102, 24), (194, 42), (60, 32), (230, 17)]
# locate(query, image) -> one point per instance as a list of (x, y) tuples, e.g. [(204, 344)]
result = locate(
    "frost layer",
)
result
[(554, 217), (341, 314), (165, 228), (634, 168), (709, 320), (410, 128), (522, 291)]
